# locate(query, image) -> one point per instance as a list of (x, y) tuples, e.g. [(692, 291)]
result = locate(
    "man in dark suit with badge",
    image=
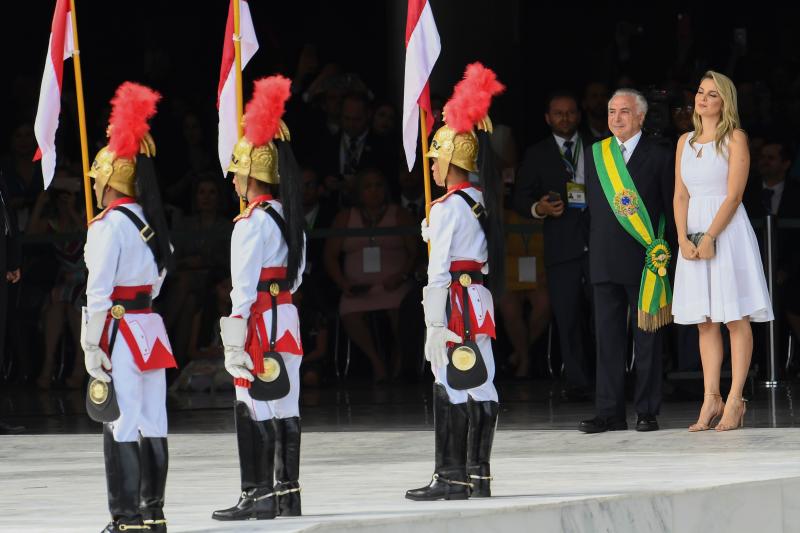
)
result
[(629, 180), (551, 186)]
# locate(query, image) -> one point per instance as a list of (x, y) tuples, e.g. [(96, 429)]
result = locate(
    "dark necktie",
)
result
[(351, 157), (568, 157), (568, 150)]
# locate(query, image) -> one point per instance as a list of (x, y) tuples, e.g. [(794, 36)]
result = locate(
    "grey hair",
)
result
[(641, 101)]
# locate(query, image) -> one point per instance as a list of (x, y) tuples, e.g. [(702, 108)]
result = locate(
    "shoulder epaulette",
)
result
[(249, 210), (99, 216), (442, 198)]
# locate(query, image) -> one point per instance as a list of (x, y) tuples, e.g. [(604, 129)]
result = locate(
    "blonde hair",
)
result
[(729, 119)]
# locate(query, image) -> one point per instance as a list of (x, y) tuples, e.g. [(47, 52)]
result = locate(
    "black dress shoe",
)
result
[(599, 424), (646, 423), (254, 504)]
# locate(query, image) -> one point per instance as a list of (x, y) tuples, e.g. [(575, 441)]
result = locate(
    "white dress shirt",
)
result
[(630, 146), (579, 167)]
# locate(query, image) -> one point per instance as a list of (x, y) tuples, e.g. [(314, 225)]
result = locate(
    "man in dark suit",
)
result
[(616, 261), (551, 185), (9, 266), (354, 147), (319, 215), (769, 191)]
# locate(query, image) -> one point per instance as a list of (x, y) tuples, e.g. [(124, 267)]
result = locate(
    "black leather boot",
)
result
[(256, 442), (482, 424), (449, 480), (287, 465), (154, 459), (123, 473)]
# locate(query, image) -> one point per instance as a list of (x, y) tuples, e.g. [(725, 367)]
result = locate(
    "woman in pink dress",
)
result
[(375, 272)]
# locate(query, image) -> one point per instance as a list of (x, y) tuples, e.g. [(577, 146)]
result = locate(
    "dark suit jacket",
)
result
[(542, 170), (788, 208), (614, 255), (375, 154)]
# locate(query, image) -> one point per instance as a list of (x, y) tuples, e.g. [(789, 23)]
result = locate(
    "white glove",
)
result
[(95, 358), (237, 362), (436, 339), (434, 302), (425, 230)]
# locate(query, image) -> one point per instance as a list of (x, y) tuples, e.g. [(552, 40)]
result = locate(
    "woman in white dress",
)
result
[(719, 276)]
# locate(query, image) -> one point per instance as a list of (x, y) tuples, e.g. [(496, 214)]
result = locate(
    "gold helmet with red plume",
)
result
[(128, 134), (455, 142), (255, 155)]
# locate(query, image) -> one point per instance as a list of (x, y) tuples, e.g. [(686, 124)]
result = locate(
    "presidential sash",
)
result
[(655, 293)]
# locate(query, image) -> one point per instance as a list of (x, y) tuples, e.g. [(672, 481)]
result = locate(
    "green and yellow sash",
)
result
[(655, 293)]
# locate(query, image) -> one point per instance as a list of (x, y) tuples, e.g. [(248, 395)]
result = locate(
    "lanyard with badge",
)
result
[(526, 264), (576, 192), (371, 261)]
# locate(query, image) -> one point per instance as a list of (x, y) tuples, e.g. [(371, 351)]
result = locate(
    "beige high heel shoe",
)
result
[(717, 414), (739, 423)]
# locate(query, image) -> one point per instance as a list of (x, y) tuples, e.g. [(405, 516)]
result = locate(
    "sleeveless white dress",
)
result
[(731, 285)]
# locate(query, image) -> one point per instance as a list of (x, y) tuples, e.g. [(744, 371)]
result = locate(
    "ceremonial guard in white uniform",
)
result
[(262, 343), (465, 237), (125, 343)]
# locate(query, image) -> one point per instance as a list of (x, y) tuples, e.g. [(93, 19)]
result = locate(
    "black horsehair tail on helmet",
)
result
[(292, 202), (149, 198), (492, 198)]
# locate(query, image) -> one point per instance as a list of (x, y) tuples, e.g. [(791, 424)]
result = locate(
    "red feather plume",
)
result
[(264, 110), (471, 98), (132, 106)]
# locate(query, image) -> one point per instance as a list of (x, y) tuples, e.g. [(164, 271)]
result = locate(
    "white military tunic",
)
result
[(117, 259), (258, 244), (456, 235)]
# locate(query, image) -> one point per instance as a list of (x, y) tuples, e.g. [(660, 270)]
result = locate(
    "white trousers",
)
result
[(485, 392), (286, 407), (142, 396)]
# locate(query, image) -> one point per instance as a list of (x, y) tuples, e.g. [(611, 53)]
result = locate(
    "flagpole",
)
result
[(76, 64), (237, 47), (426, 170)]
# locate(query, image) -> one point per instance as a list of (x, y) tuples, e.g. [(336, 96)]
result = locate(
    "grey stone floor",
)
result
[(356, 480)]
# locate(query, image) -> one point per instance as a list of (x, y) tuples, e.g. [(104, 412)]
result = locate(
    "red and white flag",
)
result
[(59, 49), (422, 50), (226, 93)]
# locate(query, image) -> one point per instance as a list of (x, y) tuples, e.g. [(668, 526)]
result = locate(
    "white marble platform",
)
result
[(545, 481)]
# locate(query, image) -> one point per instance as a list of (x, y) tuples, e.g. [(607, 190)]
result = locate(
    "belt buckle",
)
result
[(274, 288), (465, 280), (117, 312)]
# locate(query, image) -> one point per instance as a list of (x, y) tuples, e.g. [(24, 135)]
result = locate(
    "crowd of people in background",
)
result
[(361, 293)]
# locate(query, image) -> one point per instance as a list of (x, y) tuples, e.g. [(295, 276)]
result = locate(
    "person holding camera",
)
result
[(551, 186), (719, 276), (629, 181)]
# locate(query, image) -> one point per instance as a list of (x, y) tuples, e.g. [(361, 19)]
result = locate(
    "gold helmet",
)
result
[(128, 135), (455, 142), (255, 155)]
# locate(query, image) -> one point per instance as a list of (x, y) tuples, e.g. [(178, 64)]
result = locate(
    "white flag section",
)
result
[(59, 49), (422, 50), (226, 96)]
